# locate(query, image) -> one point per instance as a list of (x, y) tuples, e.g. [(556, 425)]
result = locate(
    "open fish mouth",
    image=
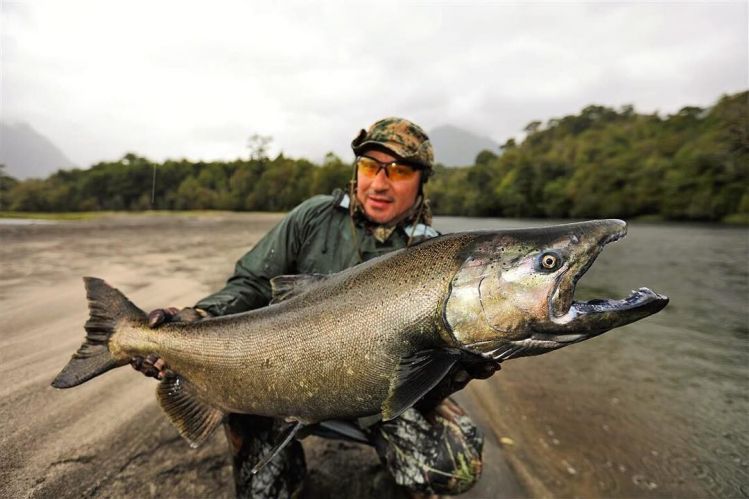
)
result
[(584, 320), (637, 298), (561, 305), (593, 317)]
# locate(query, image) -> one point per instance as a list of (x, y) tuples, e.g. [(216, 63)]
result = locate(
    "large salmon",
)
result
[(371, 339)]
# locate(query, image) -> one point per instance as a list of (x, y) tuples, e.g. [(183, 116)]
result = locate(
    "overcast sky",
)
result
[(195, 79)]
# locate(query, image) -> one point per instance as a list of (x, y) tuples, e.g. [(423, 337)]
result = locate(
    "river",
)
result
[(659, 408)]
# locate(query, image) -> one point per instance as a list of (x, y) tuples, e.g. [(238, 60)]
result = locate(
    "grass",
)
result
[(737, 219), (81, 215)]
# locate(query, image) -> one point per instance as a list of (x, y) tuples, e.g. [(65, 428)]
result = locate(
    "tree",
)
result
[(485, 157), (258, 146), (332, 174), (532, 127), (6, 184), (602, 162)]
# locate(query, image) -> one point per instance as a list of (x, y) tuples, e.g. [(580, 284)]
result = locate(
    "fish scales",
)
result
[(334, 348)]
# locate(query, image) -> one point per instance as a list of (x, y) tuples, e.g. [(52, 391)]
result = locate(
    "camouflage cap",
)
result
[(401, 137)]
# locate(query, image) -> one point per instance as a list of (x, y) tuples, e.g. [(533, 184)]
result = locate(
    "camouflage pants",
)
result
[(439, 453), (250, 439)]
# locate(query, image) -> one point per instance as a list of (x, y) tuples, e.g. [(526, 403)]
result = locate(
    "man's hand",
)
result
[(171, 314), (456, 379), (481, 370), (152, 366)]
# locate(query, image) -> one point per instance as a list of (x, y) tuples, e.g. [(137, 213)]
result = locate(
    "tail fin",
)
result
[(107, 306)]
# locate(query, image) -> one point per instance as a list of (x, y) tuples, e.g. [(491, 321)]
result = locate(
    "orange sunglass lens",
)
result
[(401, 172), (394, 171), (368, 167)]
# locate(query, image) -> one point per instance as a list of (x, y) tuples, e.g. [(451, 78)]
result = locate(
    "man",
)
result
[(430, 449)]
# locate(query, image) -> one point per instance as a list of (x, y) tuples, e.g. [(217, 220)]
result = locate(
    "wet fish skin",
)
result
[(373, 337), (328, 352)]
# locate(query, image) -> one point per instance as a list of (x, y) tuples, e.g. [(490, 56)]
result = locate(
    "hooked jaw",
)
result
[(561, 305), (571, 321)]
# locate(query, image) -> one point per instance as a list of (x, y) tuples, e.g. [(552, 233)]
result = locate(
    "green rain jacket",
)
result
[(315, 237)]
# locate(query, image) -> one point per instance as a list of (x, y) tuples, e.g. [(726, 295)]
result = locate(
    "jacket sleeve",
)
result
[(249, 287)]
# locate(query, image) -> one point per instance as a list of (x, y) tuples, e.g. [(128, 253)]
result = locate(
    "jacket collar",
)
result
[(383, 232)]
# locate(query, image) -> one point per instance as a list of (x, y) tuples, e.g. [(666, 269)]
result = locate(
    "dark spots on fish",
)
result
[(266, 364)]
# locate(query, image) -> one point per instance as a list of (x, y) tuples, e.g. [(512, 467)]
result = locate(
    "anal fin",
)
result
[(416, 375), (194, 419)]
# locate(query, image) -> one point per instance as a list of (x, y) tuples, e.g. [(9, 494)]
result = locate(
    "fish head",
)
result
[(514, 293)]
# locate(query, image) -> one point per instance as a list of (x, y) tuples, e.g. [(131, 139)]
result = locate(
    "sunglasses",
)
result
[(395, 170)]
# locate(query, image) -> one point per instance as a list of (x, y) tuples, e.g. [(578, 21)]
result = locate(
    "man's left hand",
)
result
[(456, 379)]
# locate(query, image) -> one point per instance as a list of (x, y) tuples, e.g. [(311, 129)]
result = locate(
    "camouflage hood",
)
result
[(405, 139)]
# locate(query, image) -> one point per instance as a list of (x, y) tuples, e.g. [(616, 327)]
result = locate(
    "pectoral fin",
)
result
[(416, 375), (194, 419)]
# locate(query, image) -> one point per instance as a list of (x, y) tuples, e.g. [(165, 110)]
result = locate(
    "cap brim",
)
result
[(398, 150)]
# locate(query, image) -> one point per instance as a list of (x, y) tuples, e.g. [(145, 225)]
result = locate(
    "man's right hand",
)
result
[(162, 315), (152, 366)]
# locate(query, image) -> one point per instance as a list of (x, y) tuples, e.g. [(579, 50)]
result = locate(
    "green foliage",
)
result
[(130, 184), (333, 173), (485, 157), (603, 162), (7, 183), (693, 165)]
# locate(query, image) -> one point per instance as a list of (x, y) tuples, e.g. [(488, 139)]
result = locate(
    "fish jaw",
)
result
[(506, 305), (590, 318), (583, 321), (571, 321)]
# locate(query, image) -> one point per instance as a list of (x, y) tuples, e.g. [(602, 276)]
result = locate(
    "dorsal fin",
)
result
[(284, 287)]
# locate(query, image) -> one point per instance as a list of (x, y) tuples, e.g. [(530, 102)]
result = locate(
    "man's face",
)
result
[(384, 200)]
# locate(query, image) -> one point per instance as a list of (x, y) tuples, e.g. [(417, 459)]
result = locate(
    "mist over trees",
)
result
[(603, 162)]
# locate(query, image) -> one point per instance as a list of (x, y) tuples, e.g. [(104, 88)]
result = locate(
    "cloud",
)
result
[(192, 79)]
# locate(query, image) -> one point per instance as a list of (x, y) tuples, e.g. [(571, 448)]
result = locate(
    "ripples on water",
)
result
[(672, 391)]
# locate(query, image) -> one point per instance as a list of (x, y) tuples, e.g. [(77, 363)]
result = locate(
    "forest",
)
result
[(603, 162)]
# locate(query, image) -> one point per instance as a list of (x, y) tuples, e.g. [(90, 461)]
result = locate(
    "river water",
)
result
[(659, 408)]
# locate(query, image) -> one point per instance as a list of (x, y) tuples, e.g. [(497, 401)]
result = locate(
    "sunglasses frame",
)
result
[(382, 165)]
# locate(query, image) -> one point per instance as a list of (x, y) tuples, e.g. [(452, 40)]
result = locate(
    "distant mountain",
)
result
[(27, 153), (455, 146)]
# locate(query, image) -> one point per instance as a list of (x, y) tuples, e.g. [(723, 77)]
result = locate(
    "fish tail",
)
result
[(107, 306)]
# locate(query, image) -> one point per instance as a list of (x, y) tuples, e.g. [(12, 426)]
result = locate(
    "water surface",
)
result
[(659, 408)]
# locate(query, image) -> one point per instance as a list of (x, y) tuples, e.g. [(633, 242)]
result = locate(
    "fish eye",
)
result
[(549, 261)]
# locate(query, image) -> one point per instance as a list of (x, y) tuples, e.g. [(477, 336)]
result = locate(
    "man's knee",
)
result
[(251, 438), (436, 453)]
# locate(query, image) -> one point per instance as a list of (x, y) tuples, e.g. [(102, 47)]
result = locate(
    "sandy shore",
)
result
[(108, 438)]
